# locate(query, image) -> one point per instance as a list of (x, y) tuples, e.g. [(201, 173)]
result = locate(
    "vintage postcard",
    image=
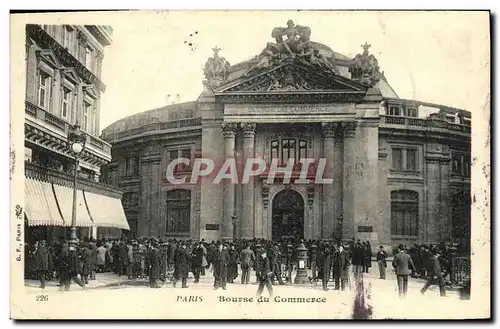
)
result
[(250, 165)]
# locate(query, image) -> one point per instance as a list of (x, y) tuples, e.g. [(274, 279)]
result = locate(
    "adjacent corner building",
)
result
[(63, 88)]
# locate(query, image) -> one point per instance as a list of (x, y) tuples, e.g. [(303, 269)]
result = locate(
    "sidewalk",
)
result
[(102, 280)]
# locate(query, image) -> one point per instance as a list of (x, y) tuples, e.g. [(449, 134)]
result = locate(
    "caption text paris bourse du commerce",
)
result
[(261, 299)]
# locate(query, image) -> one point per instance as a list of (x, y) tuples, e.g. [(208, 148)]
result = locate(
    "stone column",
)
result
[(433, 186), (446, 226), (348, 200), (338, 178), (247, 220), (228, 130), (328, 219)]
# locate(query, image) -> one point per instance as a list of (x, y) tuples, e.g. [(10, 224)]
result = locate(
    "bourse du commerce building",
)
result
[(400, 168)]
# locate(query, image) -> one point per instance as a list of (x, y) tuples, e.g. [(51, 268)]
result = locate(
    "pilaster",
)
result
[(247, 220)]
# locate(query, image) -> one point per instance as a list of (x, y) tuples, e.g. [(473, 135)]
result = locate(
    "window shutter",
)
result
[(31, 76)]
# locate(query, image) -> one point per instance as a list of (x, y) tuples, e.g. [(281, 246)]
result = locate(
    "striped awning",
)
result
[(106, 211), (64, 197), (40, 204)]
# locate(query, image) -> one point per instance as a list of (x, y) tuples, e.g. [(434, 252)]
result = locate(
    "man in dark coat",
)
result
[(358, 259), (163, 262), (93, 264), (170, 255), (401, 264), (274, 256), (325, 265), (220, 267), (181, 265), (435, 275), (86, 254), (70, 267), (122, 258), (382, 262), (340, 268), (265, 273), (367, 259), (247, 258), (232, 265), (197, 261), (154, 266), (43, 260)]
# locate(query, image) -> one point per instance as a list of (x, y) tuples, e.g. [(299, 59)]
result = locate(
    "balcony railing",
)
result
[(182, 123), (63, 126), (409, 122), (64, 178)]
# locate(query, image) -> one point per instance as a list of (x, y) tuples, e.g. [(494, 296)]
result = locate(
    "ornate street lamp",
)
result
[(76, 141), (233, 221)]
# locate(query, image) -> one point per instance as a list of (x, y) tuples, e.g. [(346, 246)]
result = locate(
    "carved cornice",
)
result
[(291, 97), (45, 41), (349, 128)]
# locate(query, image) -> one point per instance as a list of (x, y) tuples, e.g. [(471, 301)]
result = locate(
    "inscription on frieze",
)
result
[(290, 109)]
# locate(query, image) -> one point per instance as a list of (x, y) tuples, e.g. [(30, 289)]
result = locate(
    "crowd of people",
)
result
[(163, 261)]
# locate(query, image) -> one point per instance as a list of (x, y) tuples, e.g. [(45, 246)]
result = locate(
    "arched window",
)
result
[(404, 213), (178, 211)]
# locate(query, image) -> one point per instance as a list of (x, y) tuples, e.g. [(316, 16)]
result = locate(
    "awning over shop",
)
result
[(106, 211), (64, 196), (40, 204)]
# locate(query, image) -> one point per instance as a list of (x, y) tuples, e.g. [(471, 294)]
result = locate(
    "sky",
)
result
[(437, 57)]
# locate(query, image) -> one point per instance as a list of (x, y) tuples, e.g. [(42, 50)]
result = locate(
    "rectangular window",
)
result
[(68, 38), (302, 149), (44, 86), (411, 159), (132, 166), (397, 158), (66, 102), (395, 110), (411, 112), (186, 153), (274, 149)]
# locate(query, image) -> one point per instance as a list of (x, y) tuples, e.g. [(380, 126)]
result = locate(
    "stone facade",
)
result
[(393, 163)]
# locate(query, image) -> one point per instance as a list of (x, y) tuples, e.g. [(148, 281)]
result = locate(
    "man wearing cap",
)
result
[(401, 264), (43, 259), (382, 262), (220, 267), (265, 274)]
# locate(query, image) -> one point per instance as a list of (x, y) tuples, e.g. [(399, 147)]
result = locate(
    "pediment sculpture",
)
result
[(292, 42), (216, 67), (364, 67)]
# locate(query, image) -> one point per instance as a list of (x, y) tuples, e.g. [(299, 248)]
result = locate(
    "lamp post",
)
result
[(233, 221), (76, 140)]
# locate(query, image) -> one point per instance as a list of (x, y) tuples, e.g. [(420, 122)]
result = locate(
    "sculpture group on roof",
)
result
[(365, 68), (292, 42), (216, 67)]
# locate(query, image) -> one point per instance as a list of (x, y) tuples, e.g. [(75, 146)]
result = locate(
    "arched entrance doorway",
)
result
[(288, 215)]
